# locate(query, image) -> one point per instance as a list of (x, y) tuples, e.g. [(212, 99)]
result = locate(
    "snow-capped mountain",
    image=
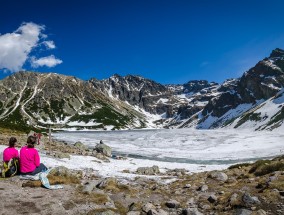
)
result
[(253, 101)]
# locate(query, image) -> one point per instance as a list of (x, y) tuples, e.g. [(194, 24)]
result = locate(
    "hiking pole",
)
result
[(49, 139)]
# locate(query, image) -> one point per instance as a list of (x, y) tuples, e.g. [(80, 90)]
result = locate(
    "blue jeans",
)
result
[(40, 168)]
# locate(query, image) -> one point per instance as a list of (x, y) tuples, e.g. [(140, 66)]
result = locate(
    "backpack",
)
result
[(10, 168)]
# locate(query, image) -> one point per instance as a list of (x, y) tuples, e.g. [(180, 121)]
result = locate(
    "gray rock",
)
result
[(250, 200), (234, 198), (187, 186), (61, 155), (65, 172), (134, 206), (80, 145), (89, 187), (243, 212), (212, 198), (157, 212), (191, 211), (147, 207), (106, 182), (191, 202), (204, 206), (203, 188), (148, 170), (108, 212), (133, 213), (261, 212), (172, 204), (219, 176), (104, 149)]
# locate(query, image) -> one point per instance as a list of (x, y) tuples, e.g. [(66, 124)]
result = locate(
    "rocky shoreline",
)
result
[(256, 188)]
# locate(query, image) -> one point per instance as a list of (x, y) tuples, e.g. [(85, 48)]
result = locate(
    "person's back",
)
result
[(10, 152), (10, 165), (29, 158)]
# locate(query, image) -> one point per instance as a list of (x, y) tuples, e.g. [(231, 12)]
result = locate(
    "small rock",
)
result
[(107, 182), (104, 149), (172, 204), (148, 170), (133, 213), (108, 212), (61, 155), (219, 176), (187, 186), (261, 212), (80, 145), (191, 202), (191, 211), (212, 198), (203, 188), (204, 206), (243, 212), (89, 187), (234, 199), (157, 212), (250, 200), (147, 207)]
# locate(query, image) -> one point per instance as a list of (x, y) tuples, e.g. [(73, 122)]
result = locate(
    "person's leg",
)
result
[(40, 168)]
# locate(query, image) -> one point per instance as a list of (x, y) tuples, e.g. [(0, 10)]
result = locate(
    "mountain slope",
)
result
[(257, 85), (255, 100), (38, 99)]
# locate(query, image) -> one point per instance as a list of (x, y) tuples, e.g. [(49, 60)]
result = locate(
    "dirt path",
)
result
[(16, 199)]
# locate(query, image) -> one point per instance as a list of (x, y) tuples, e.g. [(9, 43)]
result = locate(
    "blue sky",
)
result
[(167, 41)]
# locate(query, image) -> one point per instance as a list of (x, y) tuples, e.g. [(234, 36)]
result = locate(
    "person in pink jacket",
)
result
[(29, 159), (10, 152)]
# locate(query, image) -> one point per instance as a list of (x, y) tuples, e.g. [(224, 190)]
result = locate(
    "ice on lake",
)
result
[(191, 146)]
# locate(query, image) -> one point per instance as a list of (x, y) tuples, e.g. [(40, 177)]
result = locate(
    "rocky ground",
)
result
[(242, 189)]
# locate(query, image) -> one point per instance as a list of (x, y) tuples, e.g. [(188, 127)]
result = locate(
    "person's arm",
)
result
[(37, 159)]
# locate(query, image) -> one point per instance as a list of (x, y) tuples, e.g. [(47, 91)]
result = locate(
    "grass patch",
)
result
[(259, 164), (248, 117), (53, 180), (240, 165), (269, 168)]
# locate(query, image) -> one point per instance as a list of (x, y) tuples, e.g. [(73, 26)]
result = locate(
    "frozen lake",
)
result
[(188, 146)]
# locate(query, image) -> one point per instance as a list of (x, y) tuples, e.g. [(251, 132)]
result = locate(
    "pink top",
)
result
[(29, 159), (10, 153)]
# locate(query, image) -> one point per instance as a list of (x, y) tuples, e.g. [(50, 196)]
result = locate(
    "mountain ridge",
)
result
[(33, 99)]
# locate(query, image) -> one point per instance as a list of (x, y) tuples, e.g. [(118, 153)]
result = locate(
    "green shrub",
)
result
[(258, 164), (266, 169)]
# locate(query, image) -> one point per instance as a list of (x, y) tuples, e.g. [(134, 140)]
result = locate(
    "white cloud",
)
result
[(16, 47), (49, 61), (49, 44)]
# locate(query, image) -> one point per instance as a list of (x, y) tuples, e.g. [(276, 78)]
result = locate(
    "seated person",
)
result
[(29, 159), (10, 152)]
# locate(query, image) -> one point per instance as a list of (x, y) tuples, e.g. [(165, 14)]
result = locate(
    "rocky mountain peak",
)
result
[(277, 53)]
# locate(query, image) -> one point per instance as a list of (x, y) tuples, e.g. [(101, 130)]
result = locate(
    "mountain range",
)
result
[(39, 100)]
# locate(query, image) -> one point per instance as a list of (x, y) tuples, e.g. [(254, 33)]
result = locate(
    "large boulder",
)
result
[(148, 170), (250, 200), (219, 176), (62, 171), (104, 149), (80, 146), (107, 183), (61, 155)]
